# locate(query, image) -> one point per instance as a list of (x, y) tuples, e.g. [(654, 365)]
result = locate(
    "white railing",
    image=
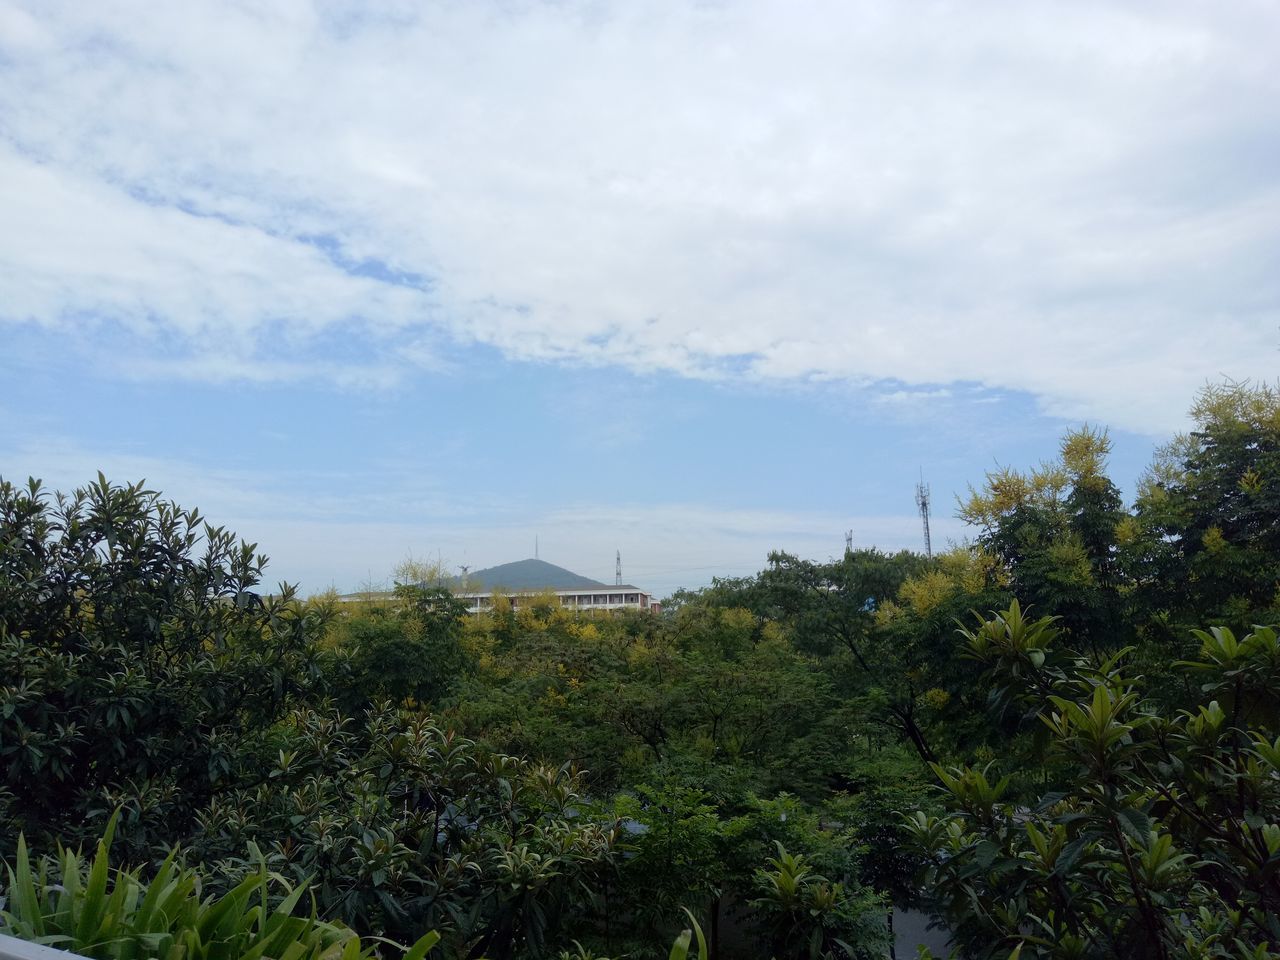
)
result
[(11, 948)]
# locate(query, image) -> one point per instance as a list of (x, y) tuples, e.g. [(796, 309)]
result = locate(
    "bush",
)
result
[(138, 667), (91, 909), (1163, 837), (402, 827)]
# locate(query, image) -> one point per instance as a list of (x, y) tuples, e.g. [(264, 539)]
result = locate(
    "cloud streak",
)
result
[(1079, 201)]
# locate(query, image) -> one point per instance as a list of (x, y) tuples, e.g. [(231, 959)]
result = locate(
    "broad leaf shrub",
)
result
[(403, 827), (140, 670), (89, 908), (1162, 837), (139, 667), (406, 648), (807, 916), (807, 900), (680, 949)]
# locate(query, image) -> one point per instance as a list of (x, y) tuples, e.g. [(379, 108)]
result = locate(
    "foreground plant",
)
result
[(1163, 840), (809, 916), (89, 908)]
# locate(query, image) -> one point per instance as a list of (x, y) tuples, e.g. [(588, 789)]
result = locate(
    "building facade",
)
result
[(616, 597)]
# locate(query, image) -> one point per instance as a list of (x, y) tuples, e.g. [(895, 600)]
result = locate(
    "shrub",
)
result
[(138, 667), (89, 908), (1163, 839)]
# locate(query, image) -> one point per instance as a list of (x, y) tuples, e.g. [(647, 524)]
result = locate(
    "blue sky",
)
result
[(690, 280)]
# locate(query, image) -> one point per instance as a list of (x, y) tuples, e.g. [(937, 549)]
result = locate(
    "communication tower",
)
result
[(617, 570), (922, 501)]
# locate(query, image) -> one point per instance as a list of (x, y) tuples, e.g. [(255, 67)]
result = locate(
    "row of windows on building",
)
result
[(573, 599), (586, 598)]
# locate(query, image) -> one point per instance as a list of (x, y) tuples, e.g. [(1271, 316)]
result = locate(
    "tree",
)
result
[(407, 648), (1205, 542), (835, 611), (1054, 530), (139, 667)]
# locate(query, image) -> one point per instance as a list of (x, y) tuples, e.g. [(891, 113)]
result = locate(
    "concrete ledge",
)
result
[(11, 948)]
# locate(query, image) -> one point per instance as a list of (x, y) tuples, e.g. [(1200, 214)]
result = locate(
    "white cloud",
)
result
[(1076, 200)]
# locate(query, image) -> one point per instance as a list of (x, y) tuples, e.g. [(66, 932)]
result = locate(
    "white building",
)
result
[(521, 581), (617, 597)]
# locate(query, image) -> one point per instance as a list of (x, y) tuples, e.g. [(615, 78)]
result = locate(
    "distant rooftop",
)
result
[(527, 575)]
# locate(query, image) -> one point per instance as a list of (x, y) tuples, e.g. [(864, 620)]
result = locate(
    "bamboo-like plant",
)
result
[(87, 907)]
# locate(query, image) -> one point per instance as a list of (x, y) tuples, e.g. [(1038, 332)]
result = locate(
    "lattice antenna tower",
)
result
[(848, 542), (617, 570), (922, 502)]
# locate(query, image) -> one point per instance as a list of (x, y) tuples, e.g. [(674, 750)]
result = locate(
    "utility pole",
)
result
[(922, 502)]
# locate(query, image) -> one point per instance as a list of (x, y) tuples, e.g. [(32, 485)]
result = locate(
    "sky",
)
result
[(689, 280)]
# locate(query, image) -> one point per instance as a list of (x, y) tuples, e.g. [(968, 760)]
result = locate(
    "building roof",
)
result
[(527, 575)]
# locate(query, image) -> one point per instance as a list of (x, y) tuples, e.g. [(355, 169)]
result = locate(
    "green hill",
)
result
[(527, 575)]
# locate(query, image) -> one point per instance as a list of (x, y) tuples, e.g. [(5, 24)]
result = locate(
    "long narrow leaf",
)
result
[(24, 891)]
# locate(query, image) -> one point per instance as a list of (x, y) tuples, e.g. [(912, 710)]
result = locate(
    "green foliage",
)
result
[(843, 614), (1054, 530), (679, 949), (403, 827), (89, 908), (805, 915), (676, 853), (139, 671), (137, 666), (408, 650), (1021, 660), (1164, 841), (875, 793), (619, 695), (1205, 547), (687, 849), (530, 778)]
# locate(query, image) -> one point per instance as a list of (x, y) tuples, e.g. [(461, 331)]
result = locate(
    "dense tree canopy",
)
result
[(1086, 769), (139, 666), (1204, 545)]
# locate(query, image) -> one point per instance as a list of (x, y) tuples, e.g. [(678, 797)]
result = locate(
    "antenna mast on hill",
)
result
[(922, 501), (617, 570), (848, 542)]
